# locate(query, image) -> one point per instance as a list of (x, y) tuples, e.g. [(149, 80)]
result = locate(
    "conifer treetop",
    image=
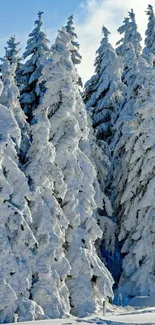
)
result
[(37, 41), (149, 49), (76, 57), (70, 26), (36, 53), (106, 33), (103, 48), (12, 50), (131, 35), (101, 91), (40, 13)]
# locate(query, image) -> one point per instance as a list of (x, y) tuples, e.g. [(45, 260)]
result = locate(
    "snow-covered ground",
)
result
[(118, 317), (141, 316)]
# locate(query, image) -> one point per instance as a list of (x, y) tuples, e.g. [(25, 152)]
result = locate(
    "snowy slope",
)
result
[(142, 316), (119, 317)]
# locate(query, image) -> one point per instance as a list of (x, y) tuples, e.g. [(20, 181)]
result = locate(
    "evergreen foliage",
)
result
[(134, 187), (133, 176), (12, 50), (131, 35), (104, 98), (131, 38), (17, 240), (49, 222), (77, 180), (76, 57), (103, 92), (10, 99), (35, 54), (149, 49), (89, 281)]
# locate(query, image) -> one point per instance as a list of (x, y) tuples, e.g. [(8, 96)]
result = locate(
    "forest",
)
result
[(77, 173)]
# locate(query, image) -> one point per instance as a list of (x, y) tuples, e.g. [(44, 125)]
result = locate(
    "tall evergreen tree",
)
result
[(149, 49), (133, 151), (49, 222), (136, 204), (8, 295), (89, 282), (17, 241), (133, 62), (35, 53), (103, 92), (104, 97)]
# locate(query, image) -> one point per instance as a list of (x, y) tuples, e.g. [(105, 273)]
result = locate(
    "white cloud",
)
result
[(96, 13)]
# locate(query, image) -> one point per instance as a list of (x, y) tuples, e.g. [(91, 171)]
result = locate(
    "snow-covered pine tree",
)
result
[(121, 127), (10, 99), (8, 296), (131, 34), (17, 241), (35, 53), (12, 55), (12, 50), (130, 38), (103, 92), (75, 55), (49, 222), (133, 62), (104, 100), (131, 57), (89, 282), (134, 175), (149, 49), (136, 208), (129, 49)]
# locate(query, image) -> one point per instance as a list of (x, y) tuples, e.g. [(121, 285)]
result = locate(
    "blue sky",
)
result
[(18, 16)]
